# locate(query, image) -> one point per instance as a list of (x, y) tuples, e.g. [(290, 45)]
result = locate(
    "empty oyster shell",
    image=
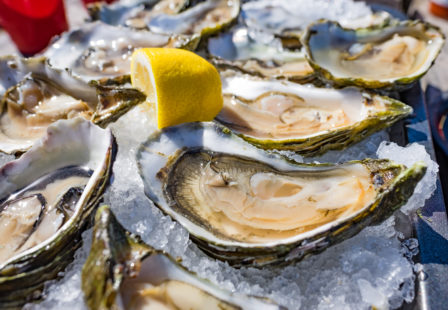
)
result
[(306, 119), (392, 57), (236, 49), (46, 197), (246, 206), (122, 272), (47, 94), (98, 51), (135, 14)]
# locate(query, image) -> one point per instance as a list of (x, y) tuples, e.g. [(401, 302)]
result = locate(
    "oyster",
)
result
[(204, 19), (135, 14), (238, 50), (283, 17), (46, 197), (249, 207), (98, 51), (12, 72), (303, 118), (46, 95), (122, 272), (392, 57)]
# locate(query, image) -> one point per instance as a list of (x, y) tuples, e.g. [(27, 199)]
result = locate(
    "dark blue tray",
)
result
[(430, 224)]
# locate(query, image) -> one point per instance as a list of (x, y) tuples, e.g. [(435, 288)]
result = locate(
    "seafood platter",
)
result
[(301, 194)]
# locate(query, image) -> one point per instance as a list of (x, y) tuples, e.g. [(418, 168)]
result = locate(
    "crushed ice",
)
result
[(373, 268)]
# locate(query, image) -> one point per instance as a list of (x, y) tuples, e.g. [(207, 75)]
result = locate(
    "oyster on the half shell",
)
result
[(46, 95), (134, 14), (122, 272), (46, 197), (204, 19), (238, 49), (98, 51), (249, 207), (306, 119), (391, 58)]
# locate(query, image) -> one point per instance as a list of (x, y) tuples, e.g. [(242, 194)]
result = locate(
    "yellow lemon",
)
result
[(180, 85)]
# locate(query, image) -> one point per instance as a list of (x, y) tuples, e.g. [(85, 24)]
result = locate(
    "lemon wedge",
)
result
[(180, 86)]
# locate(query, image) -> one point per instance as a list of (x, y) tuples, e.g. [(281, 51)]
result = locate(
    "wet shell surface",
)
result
[(249, 207), (46, 197), (131, 274)]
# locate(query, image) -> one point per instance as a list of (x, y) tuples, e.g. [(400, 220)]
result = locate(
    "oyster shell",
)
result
[(46, 197), (122, 272), (47, 94), (283, 17), (204, 19), (135, 14), (98, 51), (237, 49), (303, 118), (392, 57), (249, 207)]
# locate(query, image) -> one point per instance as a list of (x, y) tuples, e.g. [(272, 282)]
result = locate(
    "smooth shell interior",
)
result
[(162, 284), (282, 110), (37, 212), (386, 54), (247, 201)]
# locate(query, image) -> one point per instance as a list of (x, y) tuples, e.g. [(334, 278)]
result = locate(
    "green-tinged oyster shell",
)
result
[(120, 264), (102, 52), (205, 19), (134, 14), (249, 207), (47, 94), (302, 118), (46, 197), (236, 49), (389, 58)]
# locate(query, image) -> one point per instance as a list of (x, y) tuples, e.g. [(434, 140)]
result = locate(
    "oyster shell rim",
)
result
[(44, 261), (293, 248), (110, 234), (398, 84)]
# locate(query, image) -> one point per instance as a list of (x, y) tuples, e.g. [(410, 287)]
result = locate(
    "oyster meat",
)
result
[(47, 94), (282, 17), (134, 14), (303, 118), (204, 19), (97, 51), (46, 197), (392, 57), (238, 50), (246, 206), (122, 272)]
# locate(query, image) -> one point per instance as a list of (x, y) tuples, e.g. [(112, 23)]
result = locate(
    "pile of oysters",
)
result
[(288, 87)]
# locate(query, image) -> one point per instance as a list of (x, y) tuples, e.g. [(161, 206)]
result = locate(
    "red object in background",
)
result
[(32, 23), (439, 8), (91, 1)]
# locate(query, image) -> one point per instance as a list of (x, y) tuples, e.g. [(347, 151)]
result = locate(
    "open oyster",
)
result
[(135, 14), (246, 206), (12, 71), (303, 118), (204, 19), (122, 272), (283, 17), (98, 51), (392, 57), (238, 50), (47, 94), (46, 197)]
